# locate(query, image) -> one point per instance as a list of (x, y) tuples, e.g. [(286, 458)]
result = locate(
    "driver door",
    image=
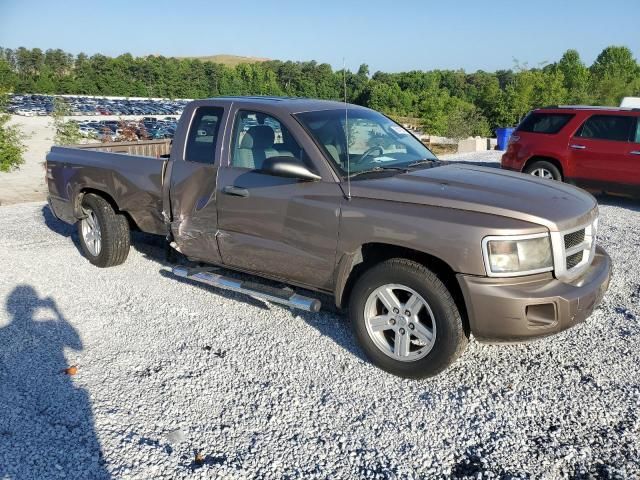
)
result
[(281, 227)]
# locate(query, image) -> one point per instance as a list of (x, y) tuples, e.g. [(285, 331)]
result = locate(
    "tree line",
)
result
[(444, 102)]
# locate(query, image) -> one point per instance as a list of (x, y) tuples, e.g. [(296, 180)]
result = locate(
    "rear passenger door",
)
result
[(602, 153), (281, 227)]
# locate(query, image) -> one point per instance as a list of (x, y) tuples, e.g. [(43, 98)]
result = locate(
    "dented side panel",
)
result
[(134, 183), (194, 220), (190, 191)]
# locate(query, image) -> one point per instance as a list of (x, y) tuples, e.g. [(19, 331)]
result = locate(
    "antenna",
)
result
[(346, 127)]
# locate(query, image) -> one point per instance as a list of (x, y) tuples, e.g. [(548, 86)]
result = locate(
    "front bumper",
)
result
[(521, 309)]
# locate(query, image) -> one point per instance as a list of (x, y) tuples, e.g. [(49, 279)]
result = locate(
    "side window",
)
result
[(258, 136), (203, 135), (544, 122), (637, 130), (607, 127)]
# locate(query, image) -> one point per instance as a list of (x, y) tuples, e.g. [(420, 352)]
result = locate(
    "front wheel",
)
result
[(545, 170), (406, 320), (104, 234)]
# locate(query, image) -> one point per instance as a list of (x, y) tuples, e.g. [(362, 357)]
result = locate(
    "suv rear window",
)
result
[(607, 127), (544, 122)]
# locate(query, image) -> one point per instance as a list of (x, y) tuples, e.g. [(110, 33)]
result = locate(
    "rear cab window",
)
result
[(616, 128), (549, 123), (203, 135)]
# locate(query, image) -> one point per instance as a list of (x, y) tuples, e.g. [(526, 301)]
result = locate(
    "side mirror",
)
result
[(289, 167)]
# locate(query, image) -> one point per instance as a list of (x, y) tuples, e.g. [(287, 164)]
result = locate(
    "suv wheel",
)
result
[(544, 169), (104, 234), (406, 320)]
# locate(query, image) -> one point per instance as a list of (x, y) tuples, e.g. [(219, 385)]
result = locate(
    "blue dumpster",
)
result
[(503, 135)]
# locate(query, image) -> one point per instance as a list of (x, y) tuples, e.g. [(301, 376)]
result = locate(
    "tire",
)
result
[(113, 233), (544, 169), (439, 314)]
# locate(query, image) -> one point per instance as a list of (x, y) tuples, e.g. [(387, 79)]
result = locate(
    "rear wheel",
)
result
[(406, 320), (544, 169), (104, 234)]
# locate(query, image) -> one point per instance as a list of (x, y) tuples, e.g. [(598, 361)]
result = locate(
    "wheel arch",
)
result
[(370, 254), (542, 158), (108, 198)]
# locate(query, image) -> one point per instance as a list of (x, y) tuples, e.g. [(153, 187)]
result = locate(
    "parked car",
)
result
[(593, 147), (43, 105), (421, 254)]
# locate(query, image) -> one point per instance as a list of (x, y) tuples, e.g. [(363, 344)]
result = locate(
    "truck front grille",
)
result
[(574, 238), (573, 250), (575, 259)]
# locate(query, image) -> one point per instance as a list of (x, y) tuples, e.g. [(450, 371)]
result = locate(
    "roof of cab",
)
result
[(288, 104), (589, 108)]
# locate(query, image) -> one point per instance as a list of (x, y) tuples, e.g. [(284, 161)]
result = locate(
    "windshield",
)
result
[(371, 141)]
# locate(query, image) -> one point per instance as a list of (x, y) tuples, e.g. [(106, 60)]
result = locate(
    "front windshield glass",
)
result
[(371, 141)]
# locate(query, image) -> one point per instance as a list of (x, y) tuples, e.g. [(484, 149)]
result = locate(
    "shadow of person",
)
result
[(46, 422)]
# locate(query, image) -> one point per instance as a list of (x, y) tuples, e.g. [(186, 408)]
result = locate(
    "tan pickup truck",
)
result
[(341, 200)]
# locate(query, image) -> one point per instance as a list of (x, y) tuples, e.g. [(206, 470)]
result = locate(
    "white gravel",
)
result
[(487, 158), (167, 369)]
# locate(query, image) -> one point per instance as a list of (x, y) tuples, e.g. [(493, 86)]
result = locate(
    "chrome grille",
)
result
[(573, 250), (575, 259), (573, 239)]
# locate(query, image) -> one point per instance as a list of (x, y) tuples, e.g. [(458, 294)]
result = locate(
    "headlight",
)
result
[(507, 256)]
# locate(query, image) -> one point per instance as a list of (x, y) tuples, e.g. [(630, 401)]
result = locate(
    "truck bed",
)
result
[(134, 182)]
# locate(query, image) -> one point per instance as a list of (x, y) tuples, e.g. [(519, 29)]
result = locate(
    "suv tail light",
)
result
[(513, 139)]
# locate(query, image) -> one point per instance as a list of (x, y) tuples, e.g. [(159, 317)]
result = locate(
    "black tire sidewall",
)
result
[(91, 202), (450, 337), (114, 231)]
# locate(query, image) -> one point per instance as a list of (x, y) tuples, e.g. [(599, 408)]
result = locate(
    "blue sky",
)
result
[(387, 35)]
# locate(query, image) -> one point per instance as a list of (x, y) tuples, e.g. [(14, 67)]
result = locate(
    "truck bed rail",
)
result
[(145, 148)]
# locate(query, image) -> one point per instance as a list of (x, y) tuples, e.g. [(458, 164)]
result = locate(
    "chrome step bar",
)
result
[(284, 296)]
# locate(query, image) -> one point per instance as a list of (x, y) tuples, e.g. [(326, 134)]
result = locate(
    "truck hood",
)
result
[(555, 205)]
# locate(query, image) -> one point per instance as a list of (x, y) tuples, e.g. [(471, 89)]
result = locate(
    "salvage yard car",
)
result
[(597, 148), (341, 200)]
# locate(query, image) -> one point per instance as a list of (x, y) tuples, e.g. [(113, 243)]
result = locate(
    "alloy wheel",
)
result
[(91, 232), (400, 322)]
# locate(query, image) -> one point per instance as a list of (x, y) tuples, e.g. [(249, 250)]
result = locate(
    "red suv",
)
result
[(593, 147)]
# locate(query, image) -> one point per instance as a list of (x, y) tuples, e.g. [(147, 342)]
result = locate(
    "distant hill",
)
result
[(230, 60)]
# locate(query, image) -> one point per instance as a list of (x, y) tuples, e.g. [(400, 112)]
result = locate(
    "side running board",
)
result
[(284, 296)]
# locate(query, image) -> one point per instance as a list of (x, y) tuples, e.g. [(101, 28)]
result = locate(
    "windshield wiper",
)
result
[(424, 161), (378, 169)]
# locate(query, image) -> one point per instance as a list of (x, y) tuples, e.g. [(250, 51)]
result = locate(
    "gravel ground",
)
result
[(167, 370)]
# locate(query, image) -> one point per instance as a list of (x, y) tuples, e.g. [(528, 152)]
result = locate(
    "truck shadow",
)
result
[(58, 226), (329, 321), (46, 420), (622, 202)]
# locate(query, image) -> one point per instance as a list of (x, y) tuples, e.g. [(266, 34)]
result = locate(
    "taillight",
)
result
[(513, 139)]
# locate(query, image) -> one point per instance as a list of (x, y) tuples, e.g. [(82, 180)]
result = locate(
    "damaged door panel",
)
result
[(192, 187)]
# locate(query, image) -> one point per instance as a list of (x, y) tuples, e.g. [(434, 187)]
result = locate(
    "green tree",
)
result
[(465, 120), (67, 132), (12, 147), (576, 77), (614, 75)]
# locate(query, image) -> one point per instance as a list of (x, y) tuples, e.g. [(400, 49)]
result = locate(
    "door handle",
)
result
[(578, 147), (236, 191), (635, 152)]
